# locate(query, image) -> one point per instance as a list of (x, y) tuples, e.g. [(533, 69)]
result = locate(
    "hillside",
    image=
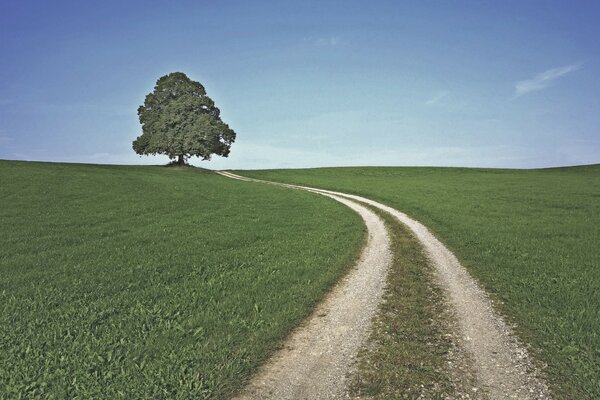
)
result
[(531, 237), (130, 282)]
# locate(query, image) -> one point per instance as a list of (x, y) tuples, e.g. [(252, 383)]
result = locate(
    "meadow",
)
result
[(530, 237), (154, 282)]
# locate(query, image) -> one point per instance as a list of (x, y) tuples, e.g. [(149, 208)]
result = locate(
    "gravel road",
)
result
[(316, 358)]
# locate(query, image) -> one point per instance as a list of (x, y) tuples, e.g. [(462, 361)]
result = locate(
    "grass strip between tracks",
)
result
[(410, 345)]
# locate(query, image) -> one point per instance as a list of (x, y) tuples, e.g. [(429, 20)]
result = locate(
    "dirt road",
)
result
[(502, 364), (315, 359)]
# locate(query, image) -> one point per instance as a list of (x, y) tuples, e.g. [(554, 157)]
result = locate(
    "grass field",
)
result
[(153, 282), (531, 237)]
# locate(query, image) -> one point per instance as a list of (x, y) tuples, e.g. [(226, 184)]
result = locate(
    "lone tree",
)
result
[(179, 120)]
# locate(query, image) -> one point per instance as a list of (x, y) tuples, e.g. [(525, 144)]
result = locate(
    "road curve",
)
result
[(316, 357), (502, 364)]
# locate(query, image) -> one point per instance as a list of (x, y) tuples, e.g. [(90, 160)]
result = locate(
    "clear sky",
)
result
[(303, 83)]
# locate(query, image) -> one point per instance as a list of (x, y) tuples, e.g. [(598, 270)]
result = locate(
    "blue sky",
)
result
[(457, 83)]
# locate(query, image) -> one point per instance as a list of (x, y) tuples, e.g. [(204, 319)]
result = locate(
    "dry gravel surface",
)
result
[(317, 356)]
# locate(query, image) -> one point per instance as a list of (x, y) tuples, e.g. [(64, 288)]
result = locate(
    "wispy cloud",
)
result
[(328, 41), (543, 79), (436, 99)]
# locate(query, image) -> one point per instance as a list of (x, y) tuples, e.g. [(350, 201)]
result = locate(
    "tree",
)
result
[(179, 120)]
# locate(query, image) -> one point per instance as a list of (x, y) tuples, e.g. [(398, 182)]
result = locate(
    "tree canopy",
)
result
[(179, 120)]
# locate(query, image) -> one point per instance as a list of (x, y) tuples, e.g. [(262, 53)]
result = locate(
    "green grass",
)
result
[(408, 349), (531, 237), (153, 282)]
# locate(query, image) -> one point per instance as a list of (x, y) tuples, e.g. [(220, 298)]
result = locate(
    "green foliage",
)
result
[(531, 237), (179, 120), (154, 283)]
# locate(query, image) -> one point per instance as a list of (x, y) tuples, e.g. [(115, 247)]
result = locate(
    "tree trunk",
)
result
[(181, 160)]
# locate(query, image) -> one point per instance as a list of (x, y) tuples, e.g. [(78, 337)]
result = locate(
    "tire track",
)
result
[(503, 367)]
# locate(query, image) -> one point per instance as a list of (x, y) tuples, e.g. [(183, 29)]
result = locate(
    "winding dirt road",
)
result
[(316, 358)]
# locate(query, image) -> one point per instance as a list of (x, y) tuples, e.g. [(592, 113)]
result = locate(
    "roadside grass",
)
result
[(530, 237), (153, 282), (408, 351)]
